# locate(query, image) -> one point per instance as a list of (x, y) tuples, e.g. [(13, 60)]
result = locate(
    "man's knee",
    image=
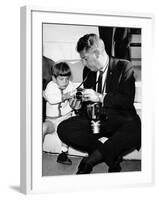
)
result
[(64, 127), (61, 130)]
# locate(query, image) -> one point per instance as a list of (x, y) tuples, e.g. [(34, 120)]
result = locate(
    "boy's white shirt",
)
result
[(53, 96)]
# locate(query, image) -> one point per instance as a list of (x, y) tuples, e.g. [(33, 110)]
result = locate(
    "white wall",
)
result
[(59, 41)]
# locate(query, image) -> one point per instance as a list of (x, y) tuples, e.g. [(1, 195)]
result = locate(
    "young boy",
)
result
[(57, 94)]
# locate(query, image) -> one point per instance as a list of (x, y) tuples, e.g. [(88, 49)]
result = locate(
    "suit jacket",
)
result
[(120, 87)]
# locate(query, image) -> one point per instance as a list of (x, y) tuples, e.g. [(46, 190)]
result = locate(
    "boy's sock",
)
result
[(64, 149)]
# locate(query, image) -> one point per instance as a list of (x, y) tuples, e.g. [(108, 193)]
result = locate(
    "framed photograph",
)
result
[(49, 40)]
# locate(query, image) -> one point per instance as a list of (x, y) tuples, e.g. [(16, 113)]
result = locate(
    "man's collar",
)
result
[(106, 65)]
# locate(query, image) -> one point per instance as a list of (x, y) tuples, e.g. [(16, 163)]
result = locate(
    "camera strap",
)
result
[(83, 80)]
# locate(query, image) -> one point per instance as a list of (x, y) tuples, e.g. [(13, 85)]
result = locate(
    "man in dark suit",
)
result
[(119, 123)]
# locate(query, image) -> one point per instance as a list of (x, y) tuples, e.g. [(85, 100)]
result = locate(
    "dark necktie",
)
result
[(99, 89)]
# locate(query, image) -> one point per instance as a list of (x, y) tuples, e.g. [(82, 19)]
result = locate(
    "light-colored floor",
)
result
[(51, 168)]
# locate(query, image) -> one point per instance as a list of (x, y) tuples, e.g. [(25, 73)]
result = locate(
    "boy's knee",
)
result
[(48, 127), (44, 128)]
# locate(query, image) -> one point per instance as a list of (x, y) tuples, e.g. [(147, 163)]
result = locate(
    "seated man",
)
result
[(109, 82)]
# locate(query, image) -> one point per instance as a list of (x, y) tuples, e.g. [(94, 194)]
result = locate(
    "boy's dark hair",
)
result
[(61, 69)]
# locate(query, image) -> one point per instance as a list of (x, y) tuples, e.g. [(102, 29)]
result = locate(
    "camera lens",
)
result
[(79, 95)]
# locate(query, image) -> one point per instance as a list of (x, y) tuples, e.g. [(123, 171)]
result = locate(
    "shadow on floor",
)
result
[(15, 187), (51, 168)]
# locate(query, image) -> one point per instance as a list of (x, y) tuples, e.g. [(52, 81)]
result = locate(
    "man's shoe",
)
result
[(116, 168), (63, 158), (84, 167)]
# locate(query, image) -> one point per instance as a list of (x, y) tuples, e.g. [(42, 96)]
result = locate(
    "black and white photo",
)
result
[(65, 72)]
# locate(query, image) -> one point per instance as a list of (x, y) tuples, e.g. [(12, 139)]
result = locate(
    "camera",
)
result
[(79, 93)]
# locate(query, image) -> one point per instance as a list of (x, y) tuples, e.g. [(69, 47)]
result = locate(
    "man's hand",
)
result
[(91, 95)]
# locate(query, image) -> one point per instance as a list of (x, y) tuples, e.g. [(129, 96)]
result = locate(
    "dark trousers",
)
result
[(123, 133)]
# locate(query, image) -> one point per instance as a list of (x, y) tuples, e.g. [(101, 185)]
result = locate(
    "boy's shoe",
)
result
[(63, 158)]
